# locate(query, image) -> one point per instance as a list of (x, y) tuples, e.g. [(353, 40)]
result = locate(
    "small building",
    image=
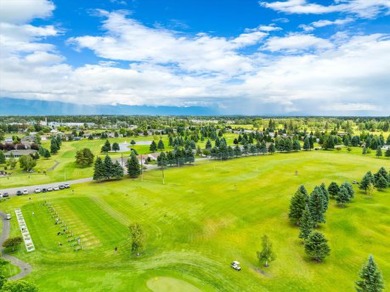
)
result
[(19, 153)]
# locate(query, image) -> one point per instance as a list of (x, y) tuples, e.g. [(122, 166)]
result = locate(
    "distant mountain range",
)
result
[(12, 107)]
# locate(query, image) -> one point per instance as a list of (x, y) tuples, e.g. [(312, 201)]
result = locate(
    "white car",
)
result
[(38, 190), (8, 216), (56, 188), (25, 192), (236, 265)]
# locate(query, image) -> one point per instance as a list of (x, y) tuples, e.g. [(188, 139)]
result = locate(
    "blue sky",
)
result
[(293, 57)]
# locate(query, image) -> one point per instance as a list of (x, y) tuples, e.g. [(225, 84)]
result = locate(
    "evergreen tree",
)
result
[(297, 205), (348, 186), (367, 179), (271, 148), (54, 147), (317, 206), (237, 151), (117, 170), (133, 166), (99, 171), (46, 154), (2, 157), (306, 143), (108, 167), (382, 172), (379, 151), (160, 145), (370, 278), (316, 246), (162, 160), (381, 183), (296, 146), (333, 190), (307, 224), (153, 147), (387, 153), (115, 146), (266, 255), (325, 194), (343, 196), (106, 147), (208, 144)]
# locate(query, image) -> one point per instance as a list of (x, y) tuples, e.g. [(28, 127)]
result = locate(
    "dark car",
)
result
[(5, 195), (61, 187), (19, 193), (44, 190)]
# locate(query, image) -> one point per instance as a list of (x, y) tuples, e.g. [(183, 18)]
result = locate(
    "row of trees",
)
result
[(107, 147), (379, 180), (107, 169), (177, 157)]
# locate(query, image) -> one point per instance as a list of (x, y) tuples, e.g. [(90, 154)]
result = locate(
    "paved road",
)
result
[(25, 268), (30, 189)]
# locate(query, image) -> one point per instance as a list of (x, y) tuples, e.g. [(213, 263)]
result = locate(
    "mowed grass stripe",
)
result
[(98, 222)]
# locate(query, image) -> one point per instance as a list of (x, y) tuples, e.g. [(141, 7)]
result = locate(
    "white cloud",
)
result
[(325, 22), (22, 11), (296, 43), (362, 8), (128, 40)]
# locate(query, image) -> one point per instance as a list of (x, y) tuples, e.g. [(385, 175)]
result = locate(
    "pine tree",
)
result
[(343, 196), (381, 183), (387, 153), (153, 147), (316, 246), (208, 144), (306, 143), (160, 145), (382, 172), (266, 255), (307, 224), (99, 172), (348, 186), (46, 154), (333, 190), (54, 147), (117, 172), (271, 148), (106, 147), (115, 146), (367, 179), (297, 205), (379, 152), (108, 167), (370, 278), (162, 160), (317, 207), (133, 166), (325, 194)]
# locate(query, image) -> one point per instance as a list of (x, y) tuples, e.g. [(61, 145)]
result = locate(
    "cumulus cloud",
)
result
[(22, 11), (128, 40), (296, 43), (362, 8), (140, 65), (325, 22)]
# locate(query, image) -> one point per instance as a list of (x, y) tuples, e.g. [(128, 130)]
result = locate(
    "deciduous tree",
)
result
[(266, 255)]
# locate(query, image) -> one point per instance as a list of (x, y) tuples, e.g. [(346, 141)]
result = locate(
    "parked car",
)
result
[(67, 186), (19, 193), (38, 190), (25, 192), (44, 190), (236, 265), (8, 216), (61, 187), (49, 189), (5, 195), (55, 188)]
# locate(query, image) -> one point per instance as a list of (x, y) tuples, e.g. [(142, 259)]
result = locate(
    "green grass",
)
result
[(204, 217)]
